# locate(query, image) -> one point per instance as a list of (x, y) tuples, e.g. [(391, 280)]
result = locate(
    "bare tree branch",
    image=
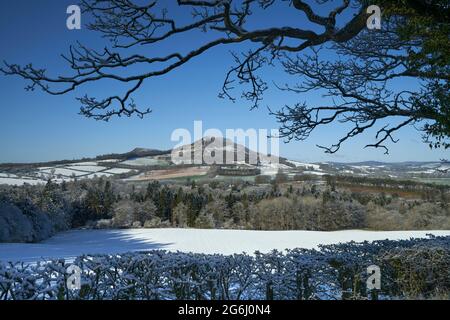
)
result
[(129, 25)]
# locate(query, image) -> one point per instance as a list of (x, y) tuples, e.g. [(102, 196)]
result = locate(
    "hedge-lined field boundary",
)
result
[(416, 268)]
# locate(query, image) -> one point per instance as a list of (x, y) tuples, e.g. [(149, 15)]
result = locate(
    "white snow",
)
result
[(142, 162), (70, 244), (7, 175), (117, 170), (429, 171), (430, 165), (62, 171), (272, 168), (109, 161), (315, 173), (20, 182), (90, 163), (305, 165), (89, 168), (365, 169)]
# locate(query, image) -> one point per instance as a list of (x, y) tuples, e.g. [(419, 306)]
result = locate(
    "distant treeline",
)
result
[(383, 182), (32, 213)]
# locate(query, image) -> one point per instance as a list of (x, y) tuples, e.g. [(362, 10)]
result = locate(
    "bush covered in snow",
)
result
[(415, 268), (19, 225), (14, 225)]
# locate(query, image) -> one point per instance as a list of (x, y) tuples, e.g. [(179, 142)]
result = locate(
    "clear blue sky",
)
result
[(38, 127)]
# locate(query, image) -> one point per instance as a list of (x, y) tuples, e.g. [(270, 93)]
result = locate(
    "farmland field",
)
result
[(73, 243)]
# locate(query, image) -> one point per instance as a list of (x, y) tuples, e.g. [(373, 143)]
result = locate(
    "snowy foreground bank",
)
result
[(69, 245)]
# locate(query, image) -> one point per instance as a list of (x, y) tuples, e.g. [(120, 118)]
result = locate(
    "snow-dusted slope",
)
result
[(298, 164), (221, 151), (74, 243), (19, 181)]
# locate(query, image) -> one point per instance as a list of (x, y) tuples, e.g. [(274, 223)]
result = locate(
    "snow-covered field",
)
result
[(143, 162), (7, 175), (88, 168), (70, 244), (272, 168), (298, 164), (316, 173), (118, 171), (61, 171), (20, 182), (108, 161)]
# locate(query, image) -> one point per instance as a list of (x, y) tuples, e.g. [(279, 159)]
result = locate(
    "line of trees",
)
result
[(33, 213)]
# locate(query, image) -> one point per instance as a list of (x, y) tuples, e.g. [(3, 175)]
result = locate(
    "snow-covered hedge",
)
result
[(17, 225), (333, 272)]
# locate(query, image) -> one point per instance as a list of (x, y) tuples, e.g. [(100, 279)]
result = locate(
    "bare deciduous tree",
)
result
[(363, 86), (131, 26), (413, 43)]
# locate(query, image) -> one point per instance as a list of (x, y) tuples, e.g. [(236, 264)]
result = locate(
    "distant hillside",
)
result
[(213, 146), (135, 153)]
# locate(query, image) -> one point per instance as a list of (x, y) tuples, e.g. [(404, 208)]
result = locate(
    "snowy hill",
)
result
[(207, 149)]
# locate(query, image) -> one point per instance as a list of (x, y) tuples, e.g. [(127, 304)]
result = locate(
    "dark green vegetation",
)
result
[(409, 269), (33, 213)]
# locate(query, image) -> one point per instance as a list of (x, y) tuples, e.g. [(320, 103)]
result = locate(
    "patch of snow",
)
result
[(365, 169), (305, 165), (20, 182), (142, 162), (71, 244), (98, 175), (117, 170), (89, 168), (7, 175), (271, 169), (430, 165), (109, 161), (429, 171), (62, 171), (89, 163), (317, 173)]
